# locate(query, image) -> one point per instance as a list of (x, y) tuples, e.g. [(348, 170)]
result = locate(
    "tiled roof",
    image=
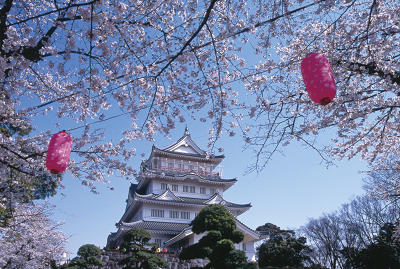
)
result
[(182, 175), (189, 200), (186, 141), (249, 234), (179, 236), (168, 227), (203, 156)]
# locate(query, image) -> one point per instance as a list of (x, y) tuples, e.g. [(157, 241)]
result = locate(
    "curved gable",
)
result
[(185, 145), (168, 196)]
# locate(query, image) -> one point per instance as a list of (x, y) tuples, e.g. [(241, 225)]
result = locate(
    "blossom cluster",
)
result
[(165, 62)]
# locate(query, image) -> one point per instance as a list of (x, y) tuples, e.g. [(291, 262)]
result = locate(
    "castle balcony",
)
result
[(174, 166), (169, 169)]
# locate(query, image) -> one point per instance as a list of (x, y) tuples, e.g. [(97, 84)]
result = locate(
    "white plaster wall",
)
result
[(148, 207), (150, 189), (163, 238), (185, 149), (156, 188), (136, 217), (195, 238), (250, 251)]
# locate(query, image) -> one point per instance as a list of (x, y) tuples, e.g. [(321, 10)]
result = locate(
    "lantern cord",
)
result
[(55, 100), (98, 121), (244, 30)]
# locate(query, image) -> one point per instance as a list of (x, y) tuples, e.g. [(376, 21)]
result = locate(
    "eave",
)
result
[(181, 155), (249, 234), (150, 174), (150, 226), (188, 201)]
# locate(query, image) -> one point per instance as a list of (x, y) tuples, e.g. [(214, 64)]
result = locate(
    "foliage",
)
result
[(229, 64), (282, 248), (218, 244), (14, 185), (268, 227), (383, 181), (383, 253), (88, 250), (137, 236), (31, 239), (87, 255), (167, 62), (143, 259), (216, 218), (352, 228), (134, 243)]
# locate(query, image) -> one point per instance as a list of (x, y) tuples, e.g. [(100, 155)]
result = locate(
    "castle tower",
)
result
[(175, 183)]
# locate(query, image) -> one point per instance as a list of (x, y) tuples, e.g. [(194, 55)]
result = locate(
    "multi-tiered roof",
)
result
[(179, 178)]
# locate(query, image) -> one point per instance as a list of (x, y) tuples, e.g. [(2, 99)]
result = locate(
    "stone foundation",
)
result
[(111, 259)]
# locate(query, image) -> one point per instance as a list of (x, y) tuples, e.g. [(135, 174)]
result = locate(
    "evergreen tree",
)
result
[(218, 244), (18, 184), (384, 253), (87, 255), (134, 243), (282, 248)]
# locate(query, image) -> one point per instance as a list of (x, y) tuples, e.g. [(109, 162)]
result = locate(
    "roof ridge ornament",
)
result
[(186, 133)]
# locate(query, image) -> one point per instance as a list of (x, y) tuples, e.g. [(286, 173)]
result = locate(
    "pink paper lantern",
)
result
[(318, 78), (60, 147)]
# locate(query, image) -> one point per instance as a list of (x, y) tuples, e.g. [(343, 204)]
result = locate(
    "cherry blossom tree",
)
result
[(360, 38), (32, 239), (383, 181), (233, 64)]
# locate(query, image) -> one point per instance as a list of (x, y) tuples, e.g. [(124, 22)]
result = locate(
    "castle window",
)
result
[(192, 189), (180, 166), (185, 215), (158, 213), (202, 190), (157, 164), (174, 214), (174, 187), (163, 186), (244, 247), (212, 191), (170, 166), (185, 188)]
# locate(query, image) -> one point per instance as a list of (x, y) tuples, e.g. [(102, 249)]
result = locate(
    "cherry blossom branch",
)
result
[(205, 18), (3, 20), (187, 43), (372, 69), (244, 30), (70, 5)]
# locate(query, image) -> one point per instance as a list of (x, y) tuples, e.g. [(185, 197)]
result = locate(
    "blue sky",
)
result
[(292, 188)]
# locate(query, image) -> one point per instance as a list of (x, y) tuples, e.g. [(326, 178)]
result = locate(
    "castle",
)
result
[(175, 183)]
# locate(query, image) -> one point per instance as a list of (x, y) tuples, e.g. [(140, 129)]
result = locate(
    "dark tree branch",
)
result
[(3, 18), (33, 53), (204, 21), (373, 70), (54, 11)]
